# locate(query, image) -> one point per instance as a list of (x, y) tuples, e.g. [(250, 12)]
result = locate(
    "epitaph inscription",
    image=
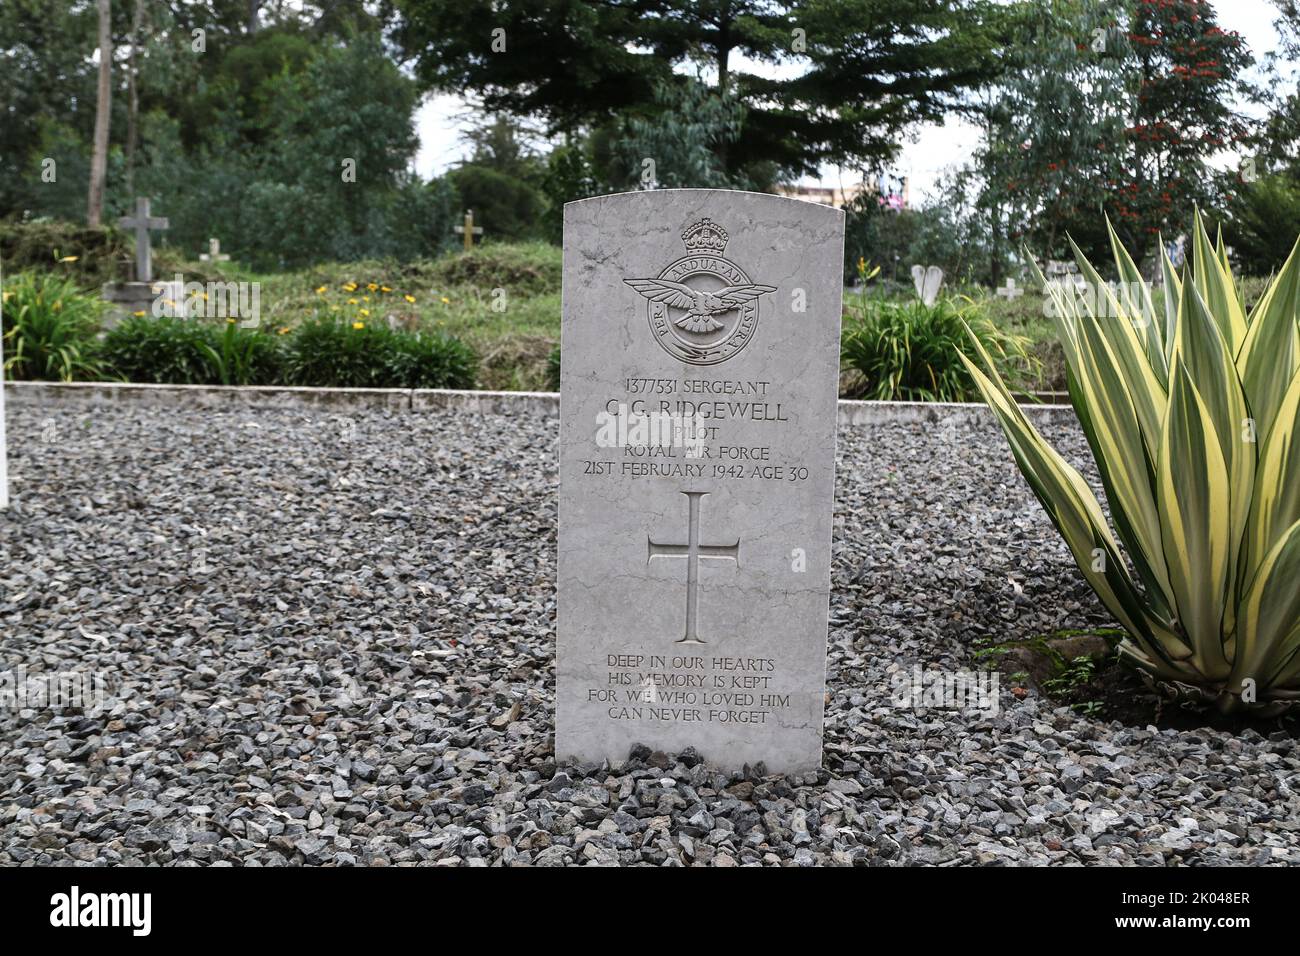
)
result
[(700, 359)]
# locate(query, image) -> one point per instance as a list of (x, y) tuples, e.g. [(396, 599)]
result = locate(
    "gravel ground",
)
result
[(327, 639)]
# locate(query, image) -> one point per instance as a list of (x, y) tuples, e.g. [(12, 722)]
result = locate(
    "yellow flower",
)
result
[(358, 325), (68, 259), (350, 287), (230, 321), (365, 298), (138, 315), (409, 298), (384, 288), (446, 301), (372, 287), (284, 330), (365, 312), (352, 301), (321, 290)]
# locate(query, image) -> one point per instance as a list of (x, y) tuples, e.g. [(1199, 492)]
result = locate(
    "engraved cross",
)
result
[(693, 552)]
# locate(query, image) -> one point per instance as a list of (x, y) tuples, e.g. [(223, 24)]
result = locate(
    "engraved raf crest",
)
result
[(703, 308)]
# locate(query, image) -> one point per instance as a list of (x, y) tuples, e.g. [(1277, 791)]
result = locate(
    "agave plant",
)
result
[(1189, 404)]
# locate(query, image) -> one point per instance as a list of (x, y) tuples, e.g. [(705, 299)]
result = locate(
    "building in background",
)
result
[(892, 190)]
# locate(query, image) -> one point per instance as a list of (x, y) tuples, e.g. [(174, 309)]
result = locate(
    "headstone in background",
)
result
[(700, 360), (927, 282), (136, 296), (214, 253)]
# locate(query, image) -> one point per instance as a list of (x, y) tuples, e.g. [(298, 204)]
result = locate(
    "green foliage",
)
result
[(1050, 156), (507, 208), (553, 370), (241, 356), (934, 234), (524, 269), (569, 175), (1191, 407), (1105, 106), (166, 350), (323, 352), (1262, 223), (88, 255), (686, 139), (49, 330), (868, 70), (911, 351), (334, 353), (45, 71)]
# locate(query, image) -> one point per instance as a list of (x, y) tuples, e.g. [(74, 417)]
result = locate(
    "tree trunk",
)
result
[(133, 104), (103, 106)]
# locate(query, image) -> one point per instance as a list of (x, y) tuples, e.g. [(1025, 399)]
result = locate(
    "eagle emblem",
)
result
[(703, 308)]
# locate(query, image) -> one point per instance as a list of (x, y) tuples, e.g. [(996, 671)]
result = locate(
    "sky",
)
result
[(442, 120)]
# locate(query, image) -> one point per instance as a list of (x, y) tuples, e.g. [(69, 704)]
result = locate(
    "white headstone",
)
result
[(927, 282), (700, 360)]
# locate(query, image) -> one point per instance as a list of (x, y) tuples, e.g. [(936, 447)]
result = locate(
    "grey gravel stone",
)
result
[(334, 646)]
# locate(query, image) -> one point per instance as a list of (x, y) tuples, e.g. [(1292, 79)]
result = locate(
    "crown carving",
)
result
[(705, 236)]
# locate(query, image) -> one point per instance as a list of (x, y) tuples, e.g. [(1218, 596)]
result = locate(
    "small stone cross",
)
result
[(469, 230), (1009, 291), (214, 253), (693, 552), (142, 223)]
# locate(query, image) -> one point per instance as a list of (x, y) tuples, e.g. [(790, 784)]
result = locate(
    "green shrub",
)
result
[(177, 351), (1262, 225), (911, 351), (50, 330), (523, 269), (328, 352), (162, 351), (241, 356), (553, 370), (1191, 407), (92, 256)]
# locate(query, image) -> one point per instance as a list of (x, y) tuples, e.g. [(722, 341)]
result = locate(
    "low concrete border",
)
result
[(851, 413), (493, 403), (108, 393)]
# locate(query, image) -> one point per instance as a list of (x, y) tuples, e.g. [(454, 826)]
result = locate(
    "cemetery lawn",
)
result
[(503, 300), (513, 333), (330, 639)]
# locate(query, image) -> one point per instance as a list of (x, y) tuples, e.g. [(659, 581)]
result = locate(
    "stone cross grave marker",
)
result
[(469, 230), (142, 223), (700, 364), (927, 281), (214, 253), (1009, 291)]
